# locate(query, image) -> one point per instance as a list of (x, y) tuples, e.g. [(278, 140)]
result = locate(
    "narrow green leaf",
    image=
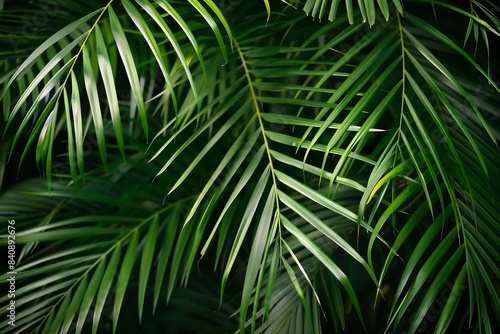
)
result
[(198, 132), (77, 123), (296, 284), (350, 11), (231, 152), (434, 289), (71, 140), (58, 319), (173, 41), (407, 230), (372, 119), (370, 11), (308, 6), (298, 121), (95, 107), (109, 85), (75, 304), (185, 28), (431, 263), (396, 203), (325, 230), (464, 13), (248, 215), (271, 237), (45, 143), (171, 227), (153, 45), (273, 271), (44, 94), (314, 170), (244, 178), (224, 22), (130, 67), (213, 25), (315, 196), (325, 259), (445, 39), (89, 295), (294, 142), (49, 322), (420, 174), (123, 277), (396, 171), (106, 282), (353, 85), (451, 303), (255, 258), (214, 140), (399, 6), (384, 7), (429, 142), (43, 74), (67, 234), (385, 161), (47, 44), (146, 262), (179, 255), (426, 53), (333, 10), (304, 273)]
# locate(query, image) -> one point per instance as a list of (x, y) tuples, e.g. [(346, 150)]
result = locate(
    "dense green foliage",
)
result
[(254, 166)]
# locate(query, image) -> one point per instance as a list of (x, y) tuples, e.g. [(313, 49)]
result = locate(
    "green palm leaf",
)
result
[(312, 166)]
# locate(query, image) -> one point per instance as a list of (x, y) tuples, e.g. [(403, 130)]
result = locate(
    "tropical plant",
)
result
[(296, 166)]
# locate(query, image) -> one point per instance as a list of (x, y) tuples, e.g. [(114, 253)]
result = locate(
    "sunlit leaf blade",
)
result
[(95, 107), (46, 44), (185, 27), (71, 140), (50, 66), (110, 87), (148, 35), (44, 93), (173, 41), (129, 64), (213, 25)]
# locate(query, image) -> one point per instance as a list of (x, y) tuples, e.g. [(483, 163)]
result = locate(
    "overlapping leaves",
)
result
[(294, 149)]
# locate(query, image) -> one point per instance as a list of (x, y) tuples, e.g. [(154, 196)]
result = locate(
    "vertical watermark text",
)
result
[(11, 264)]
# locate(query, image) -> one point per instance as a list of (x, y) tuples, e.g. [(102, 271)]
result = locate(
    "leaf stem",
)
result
[(83, 46), (261, 124), (403, 84)]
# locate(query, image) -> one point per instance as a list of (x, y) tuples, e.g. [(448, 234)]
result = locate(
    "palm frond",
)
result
[(299, 170)]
